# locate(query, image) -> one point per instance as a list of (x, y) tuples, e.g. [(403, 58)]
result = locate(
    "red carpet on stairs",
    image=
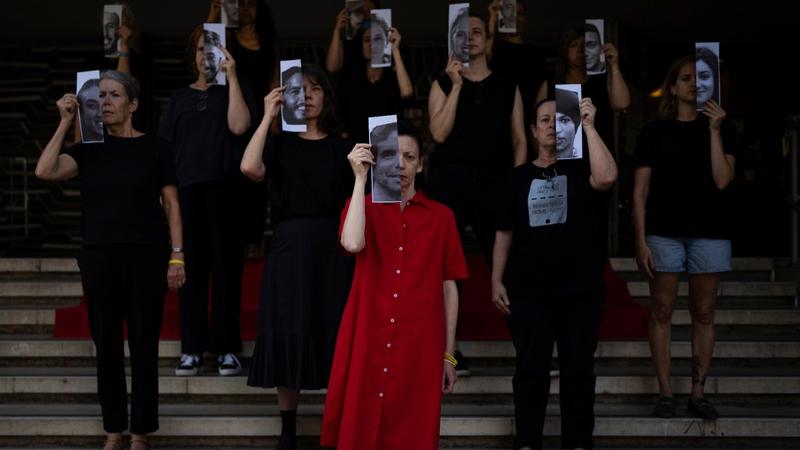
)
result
[(478, 320)]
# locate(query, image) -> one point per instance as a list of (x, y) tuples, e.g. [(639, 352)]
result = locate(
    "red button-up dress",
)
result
[(385, 387)]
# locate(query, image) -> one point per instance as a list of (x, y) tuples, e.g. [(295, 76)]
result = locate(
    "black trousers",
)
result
[(573, 324), (213, 249), (126, 284)]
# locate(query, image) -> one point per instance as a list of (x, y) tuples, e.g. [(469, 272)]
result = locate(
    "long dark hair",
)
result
[(328, 122), (668, 107), (562, 65)]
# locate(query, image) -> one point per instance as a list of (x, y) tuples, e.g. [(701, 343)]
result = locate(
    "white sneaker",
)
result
[(189, 365), (229, 365)]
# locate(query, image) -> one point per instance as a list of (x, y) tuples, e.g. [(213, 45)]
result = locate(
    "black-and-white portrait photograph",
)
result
[(112, 19), (569, 136), (593, 47), (458, 32), (213, 43), (381, 48), (355, 11), (230, 13), (386, 171), (293, 108), (706, 62), (507, 19), (90, 114)]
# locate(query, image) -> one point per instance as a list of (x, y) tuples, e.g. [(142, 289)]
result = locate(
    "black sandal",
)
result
[(665, 408), (702, 408)]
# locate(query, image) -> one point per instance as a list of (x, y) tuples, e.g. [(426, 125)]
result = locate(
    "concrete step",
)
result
[(50, 288), (39, 265), (745, 302), (728, 288), (200, 385), (724, 333), (70, 265), (312, 446), (32, 347), (641, 349), (738, 264), (43, 315), (479, 367), (196, 420), (27, 316), (40, 288)]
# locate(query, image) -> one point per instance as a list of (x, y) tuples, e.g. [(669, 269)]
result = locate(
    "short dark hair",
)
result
[(382, 132), (535, 110), (289, 73), (478, 15), (567, 102), (406, 128)]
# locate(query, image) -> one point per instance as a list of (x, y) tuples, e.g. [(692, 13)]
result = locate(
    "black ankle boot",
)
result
[(288, 430)]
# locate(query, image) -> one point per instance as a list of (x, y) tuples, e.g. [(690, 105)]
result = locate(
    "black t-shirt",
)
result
[(196, 123), (556, 246), (525, 65), (307, 178), (683, 200), (121, 181), (481, 134), (360, 99)]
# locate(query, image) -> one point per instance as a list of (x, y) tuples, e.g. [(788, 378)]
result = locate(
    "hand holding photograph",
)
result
[(593, 47), (569, 136), (90, 113), (380, 47), (293, 108), (458, 33), (385, 173), (112, 19), (213, 43), (706, 55)]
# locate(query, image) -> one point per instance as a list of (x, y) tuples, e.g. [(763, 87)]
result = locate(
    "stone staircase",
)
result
[(47, 386)]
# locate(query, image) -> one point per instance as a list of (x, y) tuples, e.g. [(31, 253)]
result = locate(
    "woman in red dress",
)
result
[(392, 361)]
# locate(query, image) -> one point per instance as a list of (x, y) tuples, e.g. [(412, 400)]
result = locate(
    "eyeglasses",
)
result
[(202, 100)]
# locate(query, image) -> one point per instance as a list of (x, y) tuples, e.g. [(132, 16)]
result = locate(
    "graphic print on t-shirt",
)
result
[(547, 201)]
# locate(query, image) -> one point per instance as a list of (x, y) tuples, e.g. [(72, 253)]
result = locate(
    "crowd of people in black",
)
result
[(176, 208)]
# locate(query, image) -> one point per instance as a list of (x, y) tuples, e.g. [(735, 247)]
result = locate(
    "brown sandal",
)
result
[(113, 444), (138, 443)]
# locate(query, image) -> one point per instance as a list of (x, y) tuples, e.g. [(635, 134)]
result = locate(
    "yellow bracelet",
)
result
[(177, 261), (451, 359)]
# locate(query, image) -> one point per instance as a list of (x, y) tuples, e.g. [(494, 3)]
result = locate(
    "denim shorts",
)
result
[(695, 255)]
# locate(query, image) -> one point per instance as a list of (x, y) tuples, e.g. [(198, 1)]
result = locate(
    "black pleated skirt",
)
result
[(304, 289)]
